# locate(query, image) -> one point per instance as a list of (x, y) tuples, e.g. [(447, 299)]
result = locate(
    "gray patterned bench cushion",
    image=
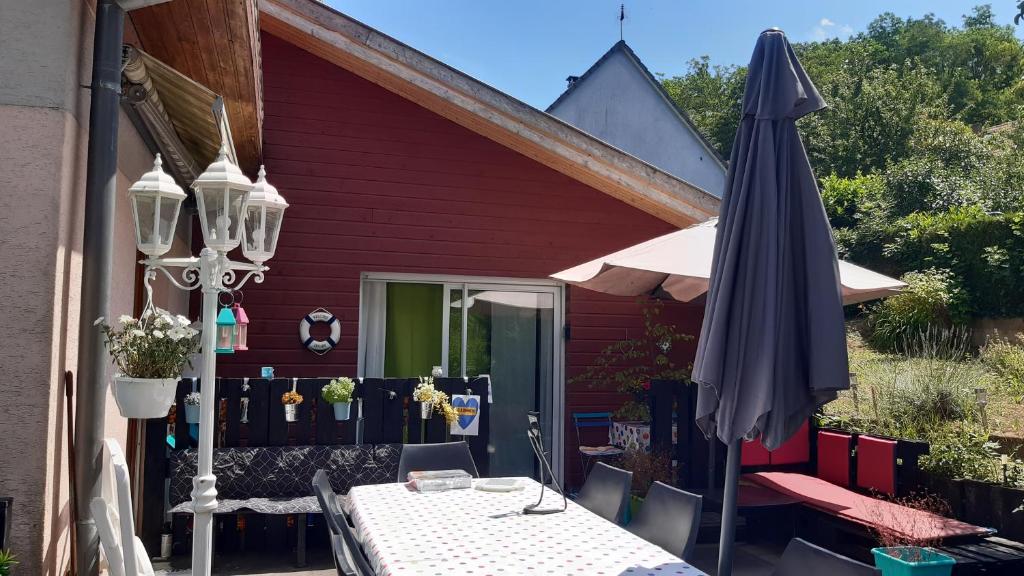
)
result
[(278, 479)]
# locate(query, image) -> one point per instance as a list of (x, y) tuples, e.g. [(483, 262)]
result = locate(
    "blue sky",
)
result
[(526, 48)]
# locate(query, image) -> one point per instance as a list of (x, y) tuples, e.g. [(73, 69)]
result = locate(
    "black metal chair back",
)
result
[(328, 500), (606, 491), (669, 518), (360, 562), (445, 456), (802, 558)]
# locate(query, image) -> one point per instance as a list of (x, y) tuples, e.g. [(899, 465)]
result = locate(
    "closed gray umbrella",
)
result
[(773, 344)]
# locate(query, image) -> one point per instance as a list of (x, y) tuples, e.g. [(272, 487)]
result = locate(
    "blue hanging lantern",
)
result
[(225, 331)]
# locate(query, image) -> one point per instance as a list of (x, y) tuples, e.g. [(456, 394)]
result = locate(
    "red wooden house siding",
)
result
[(378, 183)]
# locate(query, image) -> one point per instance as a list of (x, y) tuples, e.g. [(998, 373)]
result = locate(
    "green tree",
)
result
[(711, 95)]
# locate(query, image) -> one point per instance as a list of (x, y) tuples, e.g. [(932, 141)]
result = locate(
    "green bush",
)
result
[(963, 453), (932, 300), (985, 252), (1007, 361)]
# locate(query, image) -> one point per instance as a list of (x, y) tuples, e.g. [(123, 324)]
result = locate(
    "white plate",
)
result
[(499, 485)]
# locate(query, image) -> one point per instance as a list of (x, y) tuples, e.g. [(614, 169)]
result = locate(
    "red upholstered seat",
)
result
[(754, 454), (864, 510), (834, 458), (876, 464), (796, 450)]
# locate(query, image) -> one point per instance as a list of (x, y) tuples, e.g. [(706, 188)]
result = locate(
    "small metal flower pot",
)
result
[(426, 410), (342, 410), (291, 412), (192, 413)]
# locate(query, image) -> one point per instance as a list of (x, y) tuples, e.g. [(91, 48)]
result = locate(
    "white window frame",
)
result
[(448, 281)]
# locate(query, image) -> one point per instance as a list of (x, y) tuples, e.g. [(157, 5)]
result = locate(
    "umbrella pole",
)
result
[(726, 542)]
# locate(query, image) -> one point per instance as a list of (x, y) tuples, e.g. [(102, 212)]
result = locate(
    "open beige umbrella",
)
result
[(679, 264)]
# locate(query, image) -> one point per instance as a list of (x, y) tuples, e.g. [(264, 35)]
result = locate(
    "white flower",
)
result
[(158, 334), (98, 321), (177, 333), (182, 320), (138, 333), (125, 319)]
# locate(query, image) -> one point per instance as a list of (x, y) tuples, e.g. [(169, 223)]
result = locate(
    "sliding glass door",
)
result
[(507, 331)]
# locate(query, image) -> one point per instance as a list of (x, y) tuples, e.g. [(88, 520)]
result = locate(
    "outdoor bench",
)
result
[(278, 479)]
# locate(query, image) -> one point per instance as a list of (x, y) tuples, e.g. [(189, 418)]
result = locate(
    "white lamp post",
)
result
[(226, 212)]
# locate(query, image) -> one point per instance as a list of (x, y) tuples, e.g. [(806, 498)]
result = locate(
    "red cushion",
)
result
[(864, 510), (876, 464), (754, 454), (834, 458), (796, 450)]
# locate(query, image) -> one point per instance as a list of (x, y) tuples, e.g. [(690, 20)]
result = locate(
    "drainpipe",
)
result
[(97, 262)]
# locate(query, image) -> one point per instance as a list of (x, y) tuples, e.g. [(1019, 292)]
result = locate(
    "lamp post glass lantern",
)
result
[(264, 213), (156, 201), (222, 195)]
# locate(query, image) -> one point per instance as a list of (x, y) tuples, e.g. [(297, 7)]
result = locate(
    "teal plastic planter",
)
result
[(929, 563)]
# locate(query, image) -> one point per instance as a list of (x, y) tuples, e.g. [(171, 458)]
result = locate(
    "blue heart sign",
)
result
[(468, 409)]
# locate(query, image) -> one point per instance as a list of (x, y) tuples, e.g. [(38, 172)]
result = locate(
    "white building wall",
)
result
[(45, 58), (616, 102)]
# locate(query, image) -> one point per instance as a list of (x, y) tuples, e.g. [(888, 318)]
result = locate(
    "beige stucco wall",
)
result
[(45, 56)]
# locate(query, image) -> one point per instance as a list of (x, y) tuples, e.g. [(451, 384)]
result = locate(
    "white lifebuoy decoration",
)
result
[(320, 316)]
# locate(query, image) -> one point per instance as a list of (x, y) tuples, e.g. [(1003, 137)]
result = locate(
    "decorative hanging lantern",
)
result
[(225, 331), (156, 200), (264, 212), (221, 194), (241, 327)]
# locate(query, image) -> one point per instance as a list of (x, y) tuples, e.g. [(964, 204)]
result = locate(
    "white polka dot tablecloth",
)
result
[(472, 532)]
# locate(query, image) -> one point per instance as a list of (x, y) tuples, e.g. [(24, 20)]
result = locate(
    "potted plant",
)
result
[(433, 400), (338, 393), (425, 394), (900, 554), (150, 353), (7, 562), (291, 401), (192, 401)]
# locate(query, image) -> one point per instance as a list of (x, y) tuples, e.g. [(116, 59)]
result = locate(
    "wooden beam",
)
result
[(480, 108)]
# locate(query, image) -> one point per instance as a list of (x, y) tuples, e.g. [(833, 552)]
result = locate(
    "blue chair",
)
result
[(591, 454)]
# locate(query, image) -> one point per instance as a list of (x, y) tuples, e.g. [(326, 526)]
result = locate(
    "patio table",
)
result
[(634, 435), (474, 532)]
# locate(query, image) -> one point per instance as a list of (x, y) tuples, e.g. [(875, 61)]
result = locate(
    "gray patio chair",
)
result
[(802, 558), (669, 518), (358, 557), (606, 491), (328, 499), (445, 456)]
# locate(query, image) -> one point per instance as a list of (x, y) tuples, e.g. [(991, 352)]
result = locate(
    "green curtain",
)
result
[(412, 344)]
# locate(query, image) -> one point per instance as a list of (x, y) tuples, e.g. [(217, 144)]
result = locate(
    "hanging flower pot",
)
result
[(291, 401), (338, 393), (291, 412), (426, 410), (192, 402), (150, 353), (143, 397), (342, 411)]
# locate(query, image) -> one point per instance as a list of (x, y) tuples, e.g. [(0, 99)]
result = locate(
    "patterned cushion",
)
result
[(274, 473)]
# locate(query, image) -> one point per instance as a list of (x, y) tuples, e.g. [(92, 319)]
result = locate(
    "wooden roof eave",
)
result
[(485, 110)]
